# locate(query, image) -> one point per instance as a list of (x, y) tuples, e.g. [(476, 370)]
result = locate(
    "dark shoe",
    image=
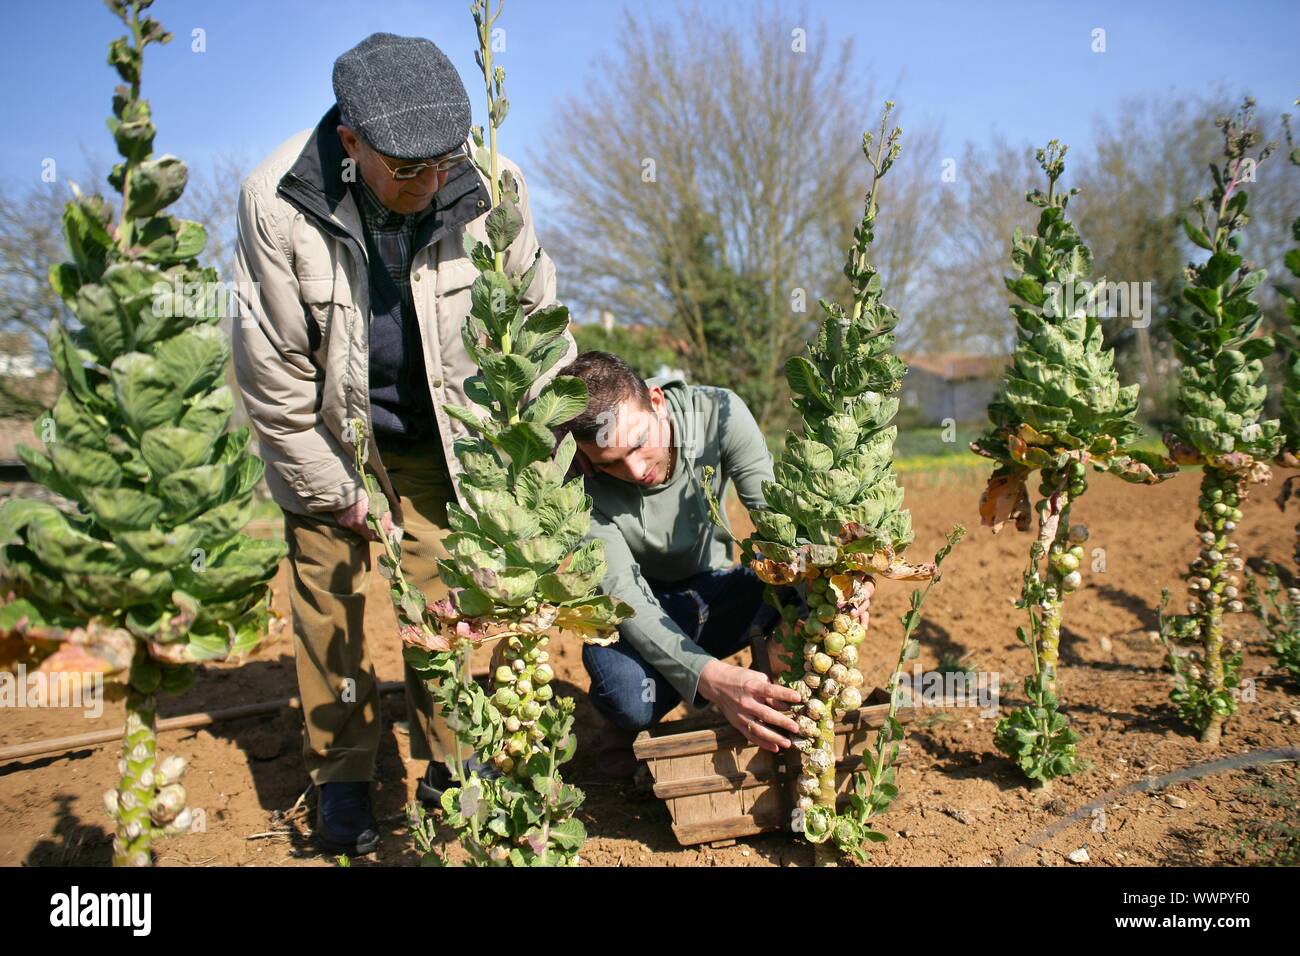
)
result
[(345, 822), (437, 778)]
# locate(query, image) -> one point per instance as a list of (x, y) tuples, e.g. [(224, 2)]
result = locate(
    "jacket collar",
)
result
[(314, 183)]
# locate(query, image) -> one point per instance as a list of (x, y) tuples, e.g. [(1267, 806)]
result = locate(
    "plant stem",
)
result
[(137, 788)]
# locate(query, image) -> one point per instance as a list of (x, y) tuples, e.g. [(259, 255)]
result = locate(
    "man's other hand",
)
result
[(355, 518), (751, 703)]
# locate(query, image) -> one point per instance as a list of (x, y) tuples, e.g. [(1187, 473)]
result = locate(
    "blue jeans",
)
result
[(718, 610)]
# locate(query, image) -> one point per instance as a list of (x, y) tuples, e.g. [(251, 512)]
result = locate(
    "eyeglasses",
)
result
[(439, 165)]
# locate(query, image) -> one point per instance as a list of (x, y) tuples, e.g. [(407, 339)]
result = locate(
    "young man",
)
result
[(350, 240), (643, 447)]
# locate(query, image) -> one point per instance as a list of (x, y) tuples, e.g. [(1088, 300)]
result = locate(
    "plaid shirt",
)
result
[(399, 392)]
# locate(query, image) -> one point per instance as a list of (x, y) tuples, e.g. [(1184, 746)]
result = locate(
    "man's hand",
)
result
[(750, 702), (861, 611), (354, 518)]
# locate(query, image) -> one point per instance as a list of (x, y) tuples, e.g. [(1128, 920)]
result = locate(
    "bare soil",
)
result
[(961, 801)]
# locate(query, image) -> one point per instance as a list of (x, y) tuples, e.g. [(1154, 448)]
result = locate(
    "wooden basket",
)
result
[(719, 786)]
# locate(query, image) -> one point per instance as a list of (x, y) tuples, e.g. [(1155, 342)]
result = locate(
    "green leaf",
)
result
[(146, 394), (123, 509), (563, 398), (194, 359), (154, 184), (554, 318), (105, 323), (1197, 236), (805, 380), (210, 413), (526, 442), (503, 225)]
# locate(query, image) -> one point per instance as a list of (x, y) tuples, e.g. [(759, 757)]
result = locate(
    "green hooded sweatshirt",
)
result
[(663, 533)]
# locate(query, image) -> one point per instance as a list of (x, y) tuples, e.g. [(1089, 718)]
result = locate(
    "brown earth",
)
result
[(961, 801)]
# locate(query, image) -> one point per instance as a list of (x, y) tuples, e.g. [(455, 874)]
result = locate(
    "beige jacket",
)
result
[(301, 341)]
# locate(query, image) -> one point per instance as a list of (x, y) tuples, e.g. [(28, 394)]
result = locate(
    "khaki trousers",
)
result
[(331, 572)]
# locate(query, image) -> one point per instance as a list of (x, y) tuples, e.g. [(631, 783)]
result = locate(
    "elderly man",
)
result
[(354, 286)]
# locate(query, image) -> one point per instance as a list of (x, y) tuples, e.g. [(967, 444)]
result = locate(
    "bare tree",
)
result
[(966, 299), (712, 167)]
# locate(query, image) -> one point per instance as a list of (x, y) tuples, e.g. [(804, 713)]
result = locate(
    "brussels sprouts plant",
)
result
[(144, 572), (1220, 407), (1059, 410), (518, 564), (834, 519)]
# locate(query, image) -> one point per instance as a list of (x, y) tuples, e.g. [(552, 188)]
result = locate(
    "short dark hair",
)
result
[(609, 381)]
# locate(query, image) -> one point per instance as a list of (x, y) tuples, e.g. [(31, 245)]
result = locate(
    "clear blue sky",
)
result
[(1024, 69)]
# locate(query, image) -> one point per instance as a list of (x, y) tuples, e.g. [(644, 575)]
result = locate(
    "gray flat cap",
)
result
[(403, 96)]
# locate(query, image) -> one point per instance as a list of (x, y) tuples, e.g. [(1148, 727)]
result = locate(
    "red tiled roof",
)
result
[(956, 366)]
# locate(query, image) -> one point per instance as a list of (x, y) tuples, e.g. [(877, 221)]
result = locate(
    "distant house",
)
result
[(16, 356), (955, 385)]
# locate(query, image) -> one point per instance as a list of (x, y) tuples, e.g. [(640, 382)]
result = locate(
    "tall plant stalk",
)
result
[(518, 563), (1220, 427), (834, 520), (1060, 408), (145, 571)]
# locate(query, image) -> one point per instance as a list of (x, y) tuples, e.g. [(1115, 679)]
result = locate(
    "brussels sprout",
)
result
[(850, 698), (542, 674), (808, 784), (1072, 581), (834, 643), (816, 823), (1065, 563), (506, 699), (544, 693), (182, 822), (816, 709), (856, 634), (523, 687), (170, 770), (531, 710), (830, 687), (504, 675), (842, 623), (812, 680), (511, 724), (854, 678), (837, 673), (821, 662), (848, 656), (819, 761), (807, 726)]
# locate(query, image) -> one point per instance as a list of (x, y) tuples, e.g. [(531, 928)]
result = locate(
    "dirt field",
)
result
[(961, 802)]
